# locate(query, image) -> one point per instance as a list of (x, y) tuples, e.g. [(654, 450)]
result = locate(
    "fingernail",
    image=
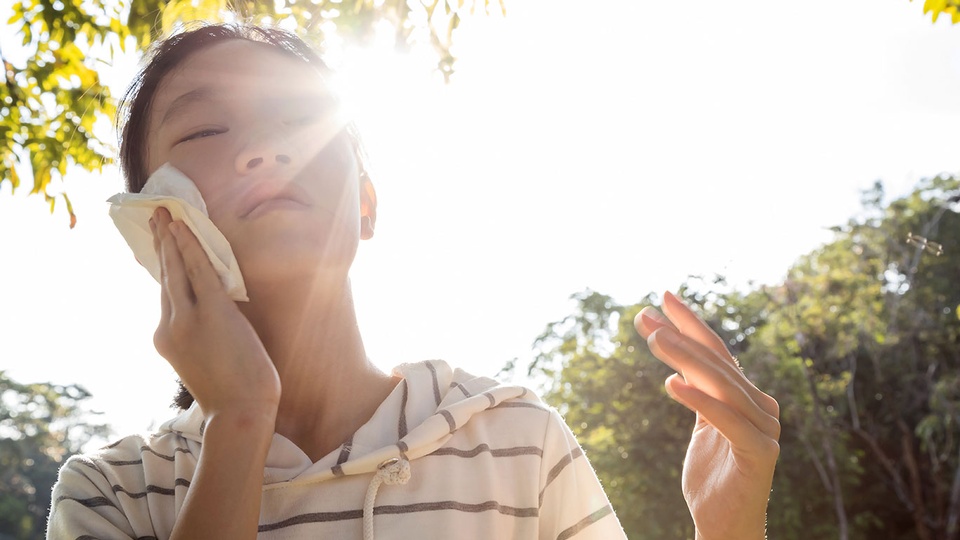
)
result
[(649, 323), (669, 336), (153, 226), (653, 314)]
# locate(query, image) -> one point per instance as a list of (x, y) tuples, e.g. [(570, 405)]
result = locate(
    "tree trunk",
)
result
[(916, 483), (953, 513), (827, 440)]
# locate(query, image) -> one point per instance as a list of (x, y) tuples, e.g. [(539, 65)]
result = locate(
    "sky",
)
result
[(619, 147)]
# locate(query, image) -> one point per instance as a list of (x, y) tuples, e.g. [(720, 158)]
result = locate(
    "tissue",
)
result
[(171, 189)]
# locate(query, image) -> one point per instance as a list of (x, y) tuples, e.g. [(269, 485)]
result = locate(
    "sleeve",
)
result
[(572, 502), (84, 505)]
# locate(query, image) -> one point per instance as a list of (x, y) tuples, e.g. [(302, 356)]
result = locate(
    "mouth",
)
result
[(265, 198)]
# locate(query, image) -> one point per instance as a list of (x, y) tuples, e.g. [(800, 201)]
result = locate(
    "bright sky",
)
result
[(620, 148)]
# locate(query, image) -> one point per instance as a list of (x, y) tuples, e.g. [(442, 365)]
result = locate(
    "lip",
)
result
[(262, 193)]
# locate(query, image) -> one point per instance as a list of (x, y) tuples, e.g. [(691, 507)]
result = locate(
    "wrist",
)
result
[(255, 423), (761, 536)]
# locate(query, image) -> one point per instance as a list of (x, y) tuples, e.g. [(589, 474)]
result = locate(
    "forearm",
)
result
[(223, 500), (699, 536)]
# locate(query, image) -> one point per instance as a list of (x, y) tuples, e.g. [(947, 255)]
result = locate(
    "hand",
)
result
[(202, 333), (728, 470)]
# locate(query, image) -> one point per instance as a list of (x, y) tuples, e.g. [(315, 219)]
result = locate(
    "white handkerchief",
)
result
[(171, 189)]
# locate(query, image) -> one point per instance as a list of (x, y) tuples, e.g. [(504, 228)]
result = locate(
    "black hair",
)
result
[(165, 55)]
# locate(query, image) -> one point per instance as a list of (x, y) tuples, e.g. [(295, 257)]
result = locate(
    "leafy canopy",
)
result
[(51, 103)]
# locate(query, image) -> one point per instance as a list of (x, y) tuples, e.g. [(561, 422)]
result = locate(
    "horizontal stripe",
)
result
[(92, 502), (345, 451), (449, 417), (87, 462), (495, 452), (118, 462), (436, 383), (462, 388), (457, 506), (325, 517), (558, 468), (158, 454), (315, 517), (115, 444), (493, 402), (88, 537), (152, 489), (520, 405), (585, 522), (402, 421)]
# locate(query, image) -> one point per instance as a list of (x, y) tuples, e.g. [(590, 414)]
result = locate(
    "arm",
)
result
[(728, 470), (223, 363), (224, 496)]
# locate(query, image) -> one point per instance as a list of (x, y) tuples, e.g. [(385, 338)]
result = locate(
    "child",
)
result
[(289, 431)]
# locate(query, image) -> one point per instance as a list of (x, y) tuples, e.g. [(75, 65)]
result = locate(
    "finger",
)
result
[(164, 297), (648, 320), (203, 278), (171, 263), (701, 368), (737, 429), (690, 324), (681, 352)]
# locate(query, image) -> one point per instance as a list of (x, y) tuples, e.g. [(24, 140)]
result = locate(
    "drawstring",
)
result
[(392, 471)]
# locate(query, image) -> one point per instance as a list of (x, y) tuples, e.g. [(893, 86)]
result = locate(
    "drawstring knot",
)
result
[(391, 472)]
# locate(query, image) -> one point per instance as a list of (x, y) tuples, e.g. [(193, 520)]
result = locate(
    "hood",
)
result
[(418, 417)]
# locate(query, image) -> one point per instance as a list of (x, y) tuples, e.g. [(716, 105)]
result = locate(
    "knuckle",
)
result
[(775, 429), (773, 449)]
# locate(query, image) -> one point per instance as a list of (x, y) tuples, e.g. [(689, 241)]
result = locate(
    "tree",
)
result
[(860, 344), (609, 389), (40, 426), (50, 104)]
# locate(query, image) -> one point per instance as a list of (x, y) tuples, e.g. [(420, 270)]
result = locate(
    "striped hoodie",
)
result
[(446, 456)]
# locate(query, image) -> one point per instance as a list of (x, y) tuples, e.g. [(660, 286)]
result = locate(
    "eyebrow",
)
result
[(183, 102)]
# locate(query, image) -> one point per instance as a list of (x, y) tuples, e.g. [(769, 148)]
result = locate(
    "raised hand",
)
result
[(728, 470), (208, 341)]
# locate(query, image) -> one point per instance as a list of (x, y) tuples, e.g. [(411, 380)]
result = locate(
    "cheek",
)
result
[(210, 169)]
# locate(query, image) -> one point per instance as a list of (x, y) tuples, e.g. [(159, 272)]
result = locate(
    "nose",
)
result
[(265, 150)]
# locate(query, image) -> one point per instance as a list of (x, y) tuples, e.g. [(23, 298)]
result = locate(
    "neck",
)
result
[(329, 387)]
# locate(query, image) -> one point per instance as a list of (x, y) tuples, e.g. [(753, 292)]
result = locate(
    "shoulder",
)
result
[(112, 492)]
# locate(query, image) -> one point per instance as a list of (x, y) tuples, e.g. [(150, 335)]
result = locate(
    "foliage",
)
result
[(40, 426), (860, 344), (50, 104), (938, 7)]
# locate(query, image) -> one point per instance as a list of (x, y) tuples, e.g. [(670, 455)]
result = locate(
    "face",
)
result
[(259, 134)]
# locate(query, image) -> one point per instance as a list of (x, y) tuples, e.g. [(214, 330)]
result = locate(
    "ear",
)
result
[(368, 206)]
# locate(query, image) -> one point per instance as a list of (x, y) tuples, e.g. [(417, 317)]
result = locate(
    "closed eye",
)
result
[(209, 132)]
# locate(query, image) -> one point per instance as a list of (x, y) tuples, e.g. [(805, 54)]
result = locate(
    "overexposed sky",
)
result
[(619, 147)]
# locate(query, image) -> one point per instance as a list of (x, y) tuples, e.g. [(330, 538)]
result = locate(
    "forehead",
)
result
[(240, 68)]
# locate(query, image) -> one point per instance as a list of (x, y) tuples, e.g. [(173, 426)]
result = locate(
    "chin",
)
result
[(297, 259)]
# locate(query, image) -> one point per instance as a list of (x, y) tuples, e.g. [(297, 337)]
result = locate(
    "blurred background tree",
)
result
[(861, 346), (41, 425), (50, 103)]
